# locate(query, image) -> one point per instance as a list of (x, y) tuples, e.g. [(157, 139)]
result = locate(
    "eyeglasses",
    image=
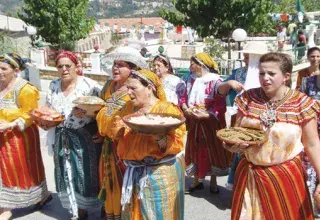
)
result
[(68, 66), (120, 65)]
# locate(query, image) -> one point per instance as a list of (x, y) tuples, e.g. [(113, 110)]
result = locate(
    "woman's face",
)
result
[(195, 68), (7, 73), (67, 69), (121, 71), (314, 58), (160, 68), (271, 77), (138, 93)]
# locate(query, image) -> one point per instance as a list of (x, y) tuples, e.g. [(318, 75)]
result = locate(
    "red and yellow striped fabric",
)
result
[(20, 159), (282, 190)]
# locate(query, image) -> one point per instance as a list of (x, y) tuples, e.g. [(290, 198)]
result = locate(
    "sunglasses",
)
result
[(68, 66)]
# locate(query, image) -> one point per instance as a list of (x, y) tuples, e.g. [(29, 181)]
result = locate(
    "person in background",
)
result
[(153, 186), (281, 37), (205, 155), (144, 52), (270, 181), (301, 45), (313, 56), (75, 143), (173, 85), (115, 93), (22, 176)]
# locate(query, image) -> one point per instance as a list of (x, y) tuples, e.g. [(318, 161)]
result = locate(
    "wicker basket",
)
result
[(156, 129), (45, 122)]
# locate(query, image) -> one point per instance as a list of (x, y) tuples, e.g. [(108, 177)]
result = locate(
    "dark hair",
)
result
[(132, 66), (285, 62), (311, 50), (300, 32)]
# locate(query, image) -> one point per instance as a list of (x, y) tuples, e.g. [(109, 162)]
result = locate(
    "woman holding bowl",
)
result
[(153, 185), (115, 93), (270, 181), (76, 153), (22, 177)]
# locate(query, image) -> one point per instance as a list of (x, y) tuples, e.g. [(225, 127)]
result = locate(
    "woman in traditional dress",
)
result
[(153, 186), (22, 177), (270, 182), (173, 85), (313, 56), (205, 155), (311, 87), (115, 93), (76, 155)]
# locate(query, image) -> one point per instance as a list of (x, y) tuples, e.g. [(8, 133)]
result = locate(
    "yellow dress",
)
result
[(265, 174), (22, 177), (164, 198), (110, 168)]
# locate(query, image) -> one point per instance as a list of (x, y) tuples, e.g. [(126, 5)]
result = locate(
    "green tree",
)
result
[(59, 22)]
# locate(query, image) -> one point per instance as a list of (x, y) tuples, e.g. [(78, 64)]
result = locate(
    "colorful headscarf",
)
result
[(73, 57), (166, 60), (14, 60), (207, 61), (153, 80)]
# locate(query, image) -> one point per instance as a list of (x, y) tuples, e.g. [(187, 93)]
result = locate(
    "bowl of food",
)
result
[(153, 123), (91, 104), (45, 116), (239, 135)]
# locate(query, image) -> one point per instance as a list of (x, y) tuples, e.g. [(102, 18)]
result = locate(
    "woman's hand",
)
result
[(200, 114), (316, 196), (235, 85), (78, 112), (235, 148), (97, 138), (44, 126)]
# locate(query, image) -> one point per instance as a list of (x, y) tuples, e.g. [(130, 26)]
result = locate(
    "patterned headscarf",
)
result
[(206, 61), (153, 80), (166, 60), (14, 60), (73, 57)]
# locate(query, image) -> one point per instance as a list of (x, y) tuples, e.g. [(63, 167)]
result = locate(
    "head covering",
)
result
[(254, 47), (14, 60), (124, 53), (73, 57), (166, 60), (206, 61), (153, 80)]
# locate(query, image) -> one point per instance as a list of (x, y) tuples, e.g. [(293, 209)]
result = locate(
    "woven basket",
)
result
[(49, 123)]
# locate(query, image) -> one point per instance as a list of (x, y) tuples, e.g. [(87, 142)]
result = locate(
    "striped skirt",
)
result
[(204, 151), (22, 177), (274, 192), (163, 197)]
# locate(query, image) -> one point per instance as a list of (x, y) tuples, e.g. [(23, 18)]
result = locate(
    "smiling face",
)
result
[(67, 69), (271, 78), (138, 92), (160, 68), (121, 71), (314, 58), (7, 73)]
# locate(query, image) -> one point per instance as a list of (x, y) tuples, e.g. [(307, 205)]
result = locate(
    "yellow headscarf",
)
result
[(206, 60), (153, 80)]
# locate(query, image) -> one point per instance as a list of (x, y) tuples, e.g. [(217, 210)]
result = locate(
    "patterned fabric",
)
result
[(173, 87), (111, 169), (75, 154), (207, 61), (14, 60), (274, 158), (240, 76), (203, 148), (301, 74), (282, 191), (22, 177)]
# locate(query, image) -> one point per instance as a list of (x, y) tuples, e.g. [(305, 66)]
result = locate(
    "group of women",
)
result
[(140, 176)]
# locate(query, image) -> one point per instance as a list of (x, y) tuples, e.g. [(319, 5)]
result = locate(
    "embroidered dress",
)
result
[(76, 156), (204, 150), (310, 88), (22, 177), (173, 87), (153, 186), (269, 182), (111, 169)]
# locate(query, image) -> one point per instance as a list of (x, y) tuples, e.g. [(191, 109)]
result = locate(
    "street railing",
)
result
[(298, 54)]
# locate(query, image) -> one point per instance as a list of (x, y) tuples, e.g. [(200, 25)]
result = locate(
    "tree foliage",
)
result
[(59, 22), (220, 17)]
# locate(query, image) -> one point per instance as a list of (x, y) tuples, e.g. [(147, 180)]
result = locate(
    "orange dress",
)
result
[(22, 177)]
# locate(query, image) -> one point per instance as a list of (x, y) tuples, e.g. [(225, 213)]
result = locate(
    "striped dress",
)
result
[(270, 181), (22, 177)]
